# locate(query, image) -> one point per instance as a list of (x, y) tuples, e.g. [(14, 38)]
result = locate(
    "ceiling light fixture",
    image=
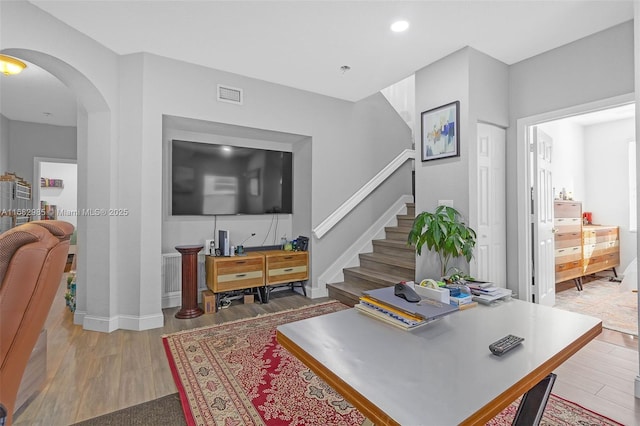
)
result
[(399, 26), (345, 68), (11, 66)]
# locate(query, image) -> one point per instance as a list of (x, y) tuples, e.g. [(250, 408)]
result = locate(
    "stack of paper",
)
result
[(488, 294)]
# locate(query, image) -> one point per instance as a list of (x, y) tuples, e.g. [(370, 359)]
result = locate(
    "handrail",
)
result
[(346, 207)]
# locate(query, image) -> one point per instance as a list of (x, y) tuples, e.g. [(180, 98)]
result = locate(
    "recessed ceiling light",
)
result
[(399, 26)]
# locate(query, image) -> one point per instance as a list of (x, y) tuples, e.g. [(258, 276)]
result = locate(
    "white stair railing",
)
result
[(335, 217)]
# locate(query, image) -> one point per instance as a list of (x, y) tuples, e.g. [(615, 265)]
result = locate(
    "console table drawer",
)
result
[(567, 209), (283, 267), (239, 280), (234, 273)]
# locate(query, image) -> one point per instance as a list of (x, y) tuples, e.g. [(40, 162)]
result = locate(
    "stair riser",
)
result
[(387, 268), (356, 278), (411, 211), (407, 223), (406, 254), (344, 297), (396, 235)]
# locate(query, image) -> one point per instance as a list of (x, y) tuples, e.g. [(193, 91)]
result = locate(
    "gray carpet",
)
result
[(165, 411)]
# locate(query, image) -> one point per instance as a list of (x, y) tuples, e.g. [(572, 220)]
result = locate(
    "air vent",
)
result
[(229, 94)]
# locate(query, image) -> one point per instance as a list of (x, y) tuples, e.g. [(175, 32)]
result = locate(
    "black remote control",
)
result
[(504, 345)]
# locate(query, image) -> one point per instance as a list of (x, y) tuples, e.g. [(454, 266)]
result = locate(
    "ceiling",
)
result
[(303, 44)]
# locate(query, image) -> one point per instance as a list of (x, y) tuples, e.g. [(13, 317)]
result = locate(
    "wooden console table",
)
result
[(190, 308), (263, 270)]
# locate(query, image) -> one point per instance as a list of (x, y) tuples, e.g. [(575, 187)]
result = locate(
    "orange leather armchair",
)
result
[(32, 260)]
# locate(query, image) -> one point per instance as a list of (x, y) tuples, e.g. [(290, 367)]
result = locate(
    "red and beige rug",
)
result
[(236, 373)]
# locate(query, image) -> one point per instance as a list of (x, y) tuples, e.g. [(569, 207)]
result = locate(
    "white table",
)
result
[(442, 373)]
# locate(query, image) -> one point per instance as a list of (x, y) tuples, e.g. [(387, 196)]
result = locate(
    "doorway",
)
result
[(57, 188), (591, 164)]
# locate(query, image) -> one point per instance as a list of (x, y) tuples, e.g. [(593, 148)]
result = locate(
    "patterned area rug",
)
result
[(237, 374), (615, 306)]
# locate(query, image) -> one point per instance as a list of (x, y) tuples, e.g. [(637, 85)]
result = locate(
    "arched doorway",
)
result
[(94, 133)]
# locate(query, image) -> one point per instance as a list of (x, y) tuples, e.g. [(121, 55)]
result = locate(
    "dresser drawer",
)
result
[(569, 254), (599, 249), (568, 224), (567, 209), (568, 239), (284, 267), (600, 263), (568, 271)]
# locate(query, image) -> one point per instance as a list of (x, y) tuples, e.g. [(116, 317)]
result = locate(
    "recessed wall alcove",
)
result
[(269, 228)]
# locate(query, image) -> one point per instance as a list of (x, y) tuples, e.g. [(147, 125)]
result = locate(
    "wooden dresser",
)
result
[(568, 241), (601, 248)]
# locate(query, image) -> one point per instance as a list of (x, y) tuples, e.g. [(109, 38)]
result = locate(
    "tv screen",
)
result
[(214, 179)]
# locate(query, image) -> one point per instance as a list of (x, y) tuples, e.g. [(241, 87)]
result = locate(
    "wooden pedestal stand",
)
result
[(190, 308)]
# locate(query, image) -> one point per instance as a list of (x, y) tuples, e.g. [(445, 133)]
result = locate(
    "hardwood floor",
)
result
[(91, 373)]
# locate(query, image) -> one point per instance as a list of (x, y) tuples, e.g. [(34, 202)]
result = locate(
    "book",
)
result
[(389, 319), (427, 309), (390, 310)]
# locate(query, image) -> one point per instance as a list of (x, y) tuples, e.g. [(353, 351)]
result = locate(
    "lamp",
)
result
[(11, 66)]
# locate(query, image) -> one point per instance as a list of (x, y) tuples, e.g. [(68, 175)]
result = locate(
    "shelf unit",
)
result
[(15, 201)]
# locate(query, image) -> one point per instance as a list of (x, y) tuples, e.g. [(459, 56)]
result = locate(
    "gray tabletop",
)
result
[(441, 373)]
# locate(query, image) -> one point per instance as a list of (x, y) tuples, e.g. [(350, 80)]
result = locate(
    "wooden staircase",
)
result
[(392, 261)]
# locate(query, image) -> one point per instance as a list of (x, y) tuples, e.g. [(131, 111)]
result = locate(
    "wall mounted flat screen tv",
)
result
[(215, 179)]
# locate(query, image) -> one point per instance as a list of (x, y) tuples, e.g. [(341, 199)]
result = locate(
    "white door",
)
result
[(543, 283), (490, 255)]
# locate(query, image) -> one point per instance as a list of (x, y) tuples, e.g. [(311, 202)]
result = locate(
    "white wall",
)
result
[(574, 74), (29, 140), (607, 180), (479, 82), (121, 104), (568, 161), (4, 144), (66, 198), (350, 143)]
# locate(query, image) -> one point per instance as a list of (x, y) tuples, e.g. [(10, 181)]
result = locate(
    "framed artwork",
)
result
[(440, 132)]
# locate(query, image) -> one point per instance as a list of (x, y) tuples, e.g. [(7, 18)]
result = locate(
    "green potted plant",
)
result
[(445, 233)]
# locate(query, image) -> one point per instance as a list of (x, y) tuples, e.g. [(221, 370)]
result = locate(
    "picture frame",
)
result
[(441, 132)]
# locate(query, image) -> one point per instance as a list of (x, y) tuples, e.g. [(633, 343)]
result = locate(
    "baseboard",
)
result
[(171, 300), (140, 323), (102, 324), (315, 293), (125, 322), (350, 257)]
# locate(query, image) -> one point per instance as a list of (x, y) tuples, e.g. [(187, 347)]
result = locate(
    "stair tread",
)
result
[(399, 244), (390, 259), (405, 216), (399, 228)]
